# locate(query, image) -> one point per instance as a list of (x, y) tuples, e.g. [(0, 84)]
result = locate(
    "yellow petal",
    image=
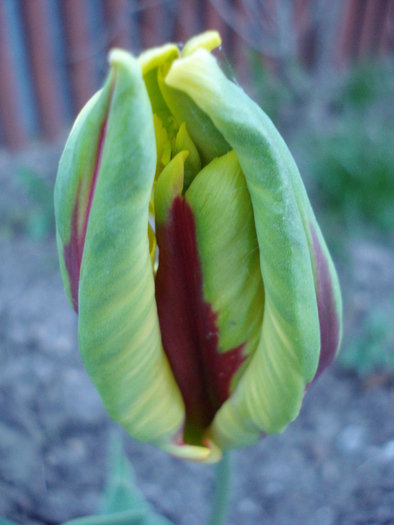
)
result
[(208, 40)]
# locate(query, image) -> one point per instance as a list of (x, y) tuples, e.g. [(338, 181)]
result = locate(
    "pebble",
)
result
[(273, 488), (324, 516), (247, 507), (387, 451), (351, 439)]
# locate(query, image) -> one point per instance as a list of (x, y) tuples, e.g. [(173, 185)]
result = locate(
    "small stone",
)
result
[(273, 488), (20, 462), (191, 519), (248, 507), (152, 491), (81, 399), (351, 439), (324, 516), (387, 451)]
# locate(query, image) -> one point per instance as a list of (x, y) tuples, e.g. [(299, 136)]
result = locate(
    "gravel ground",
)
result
[(333, 466)]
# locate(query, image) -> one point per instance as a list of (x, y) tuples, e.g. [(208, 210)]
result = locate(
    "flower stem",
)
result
[(222, 490)]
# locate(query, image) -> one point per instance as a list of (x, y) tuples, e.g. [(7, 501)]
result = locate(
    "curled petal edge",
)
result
[(270, 393)]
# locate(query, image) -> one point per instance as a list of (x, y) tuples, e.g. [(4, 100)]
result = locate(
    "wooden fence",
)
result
[(52, 52)]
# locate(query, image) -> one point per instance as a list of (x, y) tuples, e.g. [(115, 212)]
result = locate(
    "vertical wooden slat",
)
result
[(347, 16), (301, 22), (42, 66), (240, 49), (213, 20), (382, 24), (188, 19), (301, 16), (352, 29), (390, 25), (117, 18), (387, 43), (270, 61), (372, 29), (79, 51), (151, 26), (10, 111), (306, 33)]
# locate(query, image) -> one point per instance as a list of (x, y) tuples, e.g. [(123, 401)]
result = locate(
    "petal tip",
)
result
[(207, 453), (329, 305), (208, 40)]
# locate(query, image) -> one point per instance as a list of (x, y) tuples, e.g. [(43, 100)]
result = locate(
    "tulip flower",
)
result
[(206, 296)]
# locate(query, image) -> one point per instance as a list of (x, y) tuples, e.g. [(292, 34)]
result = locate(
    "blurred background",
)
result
[(323, 70), (53, 52)]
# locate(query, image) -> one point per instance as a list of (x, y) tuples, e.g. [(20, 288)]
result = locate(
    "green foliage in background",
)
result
[(352, 170), (352, 158), (340, 127), (26, 206), (372, 349), (38, 220), (123, 503), (278, 93)]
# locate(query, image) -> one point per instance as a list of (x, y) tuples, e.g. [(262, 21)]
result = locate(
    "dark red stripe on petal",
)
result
[(327, 308), (72, 254), (188, 324), (73, 251)]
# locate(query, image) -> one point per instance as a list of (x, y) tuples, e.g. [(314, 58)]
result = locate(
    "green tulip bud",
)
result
[(207, 299)]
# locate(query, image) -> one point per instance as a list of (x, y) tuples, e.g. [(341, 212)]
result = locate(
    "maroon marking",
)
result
[(328, 316), (73, 251), (188, 324)]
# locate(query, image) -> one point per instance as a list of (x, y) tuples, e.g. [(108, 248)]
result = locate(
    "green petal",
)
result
[(119, 334), (159, 106), (77, 169), (150, 61), (155, 57), (169, 185), (208, 140), (229, 253), (208, 40), (270, 393), (161, 137), (193, 162)]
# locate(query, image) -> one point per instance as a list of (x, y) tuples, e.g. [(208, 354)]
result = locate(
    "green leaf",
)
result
[(123, 502)]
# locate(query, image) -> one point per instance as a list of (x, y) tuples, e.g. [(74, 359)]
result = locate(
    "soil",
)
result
[(334, 465)]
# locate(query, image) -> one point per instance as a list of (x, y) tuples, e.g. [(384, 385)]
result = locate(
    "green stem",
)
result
[(222, 490)]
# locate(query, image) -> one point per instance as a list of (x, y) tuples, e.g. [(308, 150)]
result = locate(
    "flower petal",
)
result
[(208, 40), (169, 185), (119, 335), (193, 161), (229, 253), (208, 140), (329, 301), (203, 365), (270, 393), (75, 188)]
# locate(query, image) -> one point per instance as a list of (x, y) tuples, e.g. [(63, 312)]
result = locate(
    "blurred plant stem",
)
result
[(221, 499)]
